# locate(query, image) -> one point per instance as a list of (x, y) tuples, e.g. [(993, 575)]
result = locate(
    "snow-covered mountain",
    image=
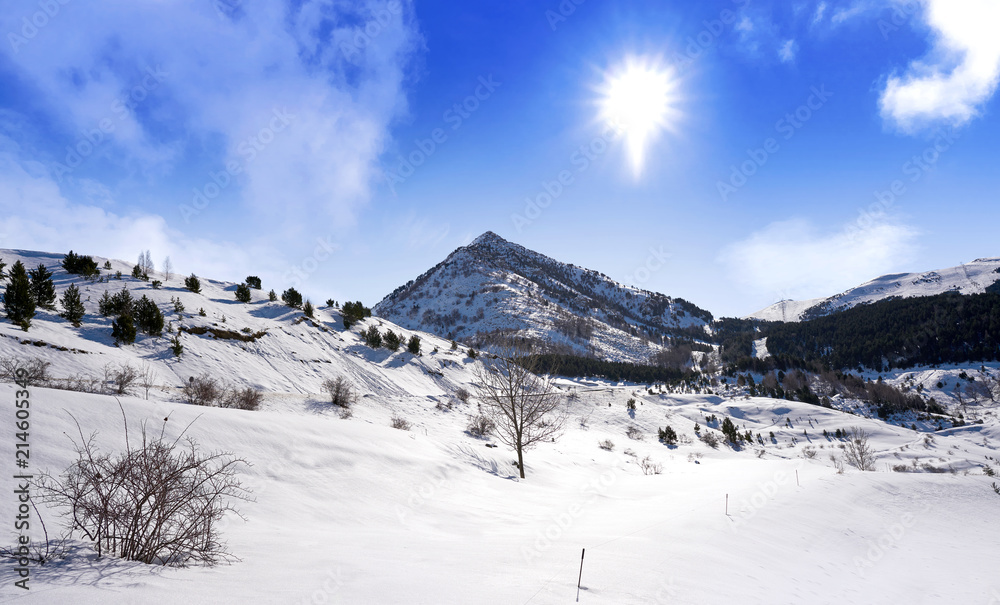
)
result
[(493, 287), (971, 278)]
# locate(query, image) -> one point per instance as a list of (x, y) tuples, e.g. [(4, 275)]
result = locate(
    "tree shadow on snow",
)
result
[(481, 462)]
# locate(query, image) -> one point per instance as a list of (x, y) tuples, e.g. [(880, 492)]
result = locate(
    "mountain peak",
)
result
[(488, 238)]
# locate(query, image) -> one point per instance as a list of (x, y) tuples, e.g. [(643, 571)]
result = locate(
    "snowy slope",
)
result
[(354, 511), (493, 286), (971, 278)]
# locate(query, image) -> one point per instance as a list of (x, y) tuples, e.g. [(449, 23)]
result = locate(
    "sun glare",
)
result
[(639, 99)]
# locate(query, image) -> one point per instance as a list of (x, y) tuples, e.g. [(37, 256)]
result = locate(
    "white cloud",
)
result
[(34, 215), (958, 75), (787, 51), (339, 68), (820, 11), (793, 259)]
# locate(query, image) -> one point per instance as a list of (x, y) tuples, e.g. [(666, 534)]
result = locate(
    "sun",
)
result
[(640, 99)]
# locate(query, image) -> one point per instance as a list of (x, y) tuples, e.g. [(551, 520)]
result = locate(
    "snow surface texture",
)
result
[(354, 511), (494, 286), (971, 278)]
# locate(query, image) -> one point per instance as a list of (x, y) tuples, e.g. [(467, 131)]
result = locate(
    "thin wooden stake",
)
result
[(580, 579), (797, 478), (727, 505)]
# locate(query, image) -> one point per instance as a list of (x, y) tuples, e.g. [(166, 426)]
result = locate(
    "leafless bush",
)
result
[(35, 372), (398, 422), (809, 453), (859, 452), (607, 445), (340, 390), (202, 390), (838, 463), (81, 383), (247, 398), (649, 467), (462, 395), (120, 378), (480, 426), (633, 432), (709, 439), (158, 502), (345, 413), (147, 378)]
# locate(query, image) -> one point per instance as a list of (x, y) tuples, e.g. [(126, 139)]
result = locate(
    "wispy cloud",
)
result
[(222, 71), (794, 259), (957, 76), (787, 51)]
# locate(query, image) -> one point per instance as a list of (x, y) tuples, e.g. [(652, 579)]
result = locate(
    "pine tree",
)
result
[(392, 341), (3, 266), (42, 287), (123, 329), (373, 338), (148, 317), (253, 281), (18, 299), (73, 309), (243, 293), (271, 296), (193, 283), (292, 298), (308, 309), (413, 346)]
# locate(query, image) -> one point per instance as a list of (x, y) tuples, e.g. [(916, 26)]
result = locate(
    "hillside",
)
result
[(351, 510), (495, 287), (971, 278)]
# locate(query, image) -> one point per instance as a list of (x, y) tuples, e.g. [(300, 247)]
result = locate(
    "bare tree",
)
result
[(859, 452), (119, 379), (168, 268), (524, 407), (147, 378)]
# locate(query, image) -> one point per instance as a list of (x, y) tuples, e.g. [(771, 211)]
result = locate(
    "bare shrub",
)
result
[(340, 390), (247, 398), (462, 395), (606, 445), (202, 390), (158, 502), (120, 378), (633, 432), (838, 463), (480, 426), (649, 467), (34, 371), (398, 422), (709, 438), (345, 413), (146, 379), (859, 452), (809, 453)]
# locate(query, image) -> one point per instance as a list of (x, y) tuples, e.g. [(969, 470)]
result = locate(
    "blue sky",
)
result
[(272, 138)]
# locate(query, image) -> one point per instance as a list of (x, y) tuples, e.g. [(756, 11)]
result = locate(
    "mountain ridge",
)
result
[(493, 287)]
